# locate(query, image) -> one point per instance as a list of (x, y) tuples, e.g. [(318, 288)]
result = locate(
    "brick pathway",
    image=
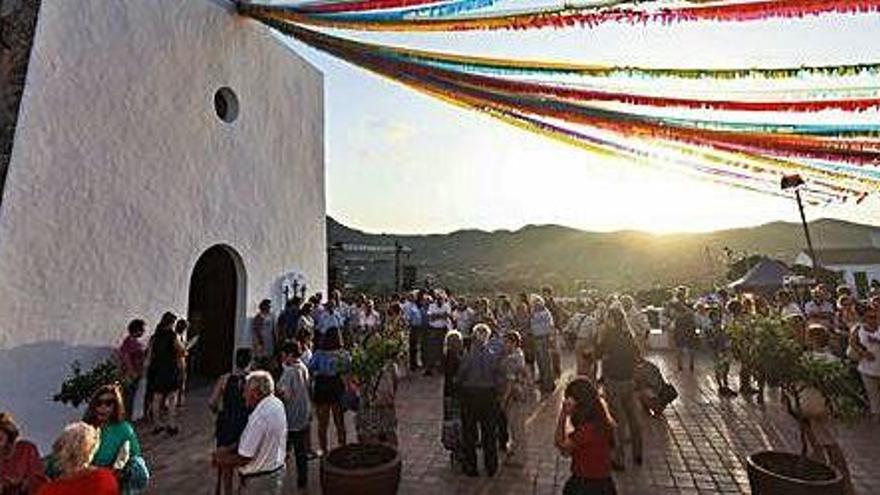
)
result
[(698, 447)]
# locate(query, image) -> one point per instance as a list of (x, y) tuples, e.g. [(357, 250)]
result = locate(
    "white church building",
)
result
[(166, 155), (858, 266)]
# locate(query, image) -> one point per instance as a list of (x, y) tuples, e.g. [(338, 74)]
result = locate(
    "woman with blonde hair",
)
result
[(72, 454)]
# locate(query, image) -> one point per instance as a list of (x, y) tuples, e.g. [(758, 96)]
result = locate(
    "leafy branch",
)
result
[(78, 387)]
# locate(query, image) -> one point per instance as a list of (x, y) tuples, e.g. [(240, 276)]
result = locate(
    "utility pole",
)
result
[(795, 182), (797, 194), (398, 249)]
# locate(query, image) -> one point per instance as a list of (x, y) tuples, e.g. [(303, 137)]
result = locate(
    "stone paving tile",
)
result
[(698, 447)]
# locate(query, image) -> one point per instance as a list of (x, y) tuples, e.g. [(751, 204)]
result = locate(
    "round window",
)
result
[(226, 104)]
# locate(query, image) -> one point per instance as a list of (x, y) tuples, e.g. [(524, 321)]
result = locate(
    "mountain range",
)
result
[(569, 259)]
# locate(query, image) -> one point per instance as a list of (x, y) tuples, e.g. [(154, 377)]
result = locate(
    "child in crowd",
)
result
[(589, 445), (514, 399), (293, 389), (451, 432)]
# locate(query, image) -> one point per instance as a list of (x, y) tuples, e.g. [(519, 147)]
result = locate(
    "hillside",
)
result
[(476, 260)]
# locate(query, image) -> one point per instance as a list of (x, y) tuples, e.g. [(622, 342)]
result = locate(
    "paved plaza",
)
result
[(697, 447)]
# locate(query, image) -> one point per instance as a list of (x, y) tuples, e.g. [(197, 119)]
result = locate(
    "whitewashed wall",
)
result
[(122, 175), (849, 271)]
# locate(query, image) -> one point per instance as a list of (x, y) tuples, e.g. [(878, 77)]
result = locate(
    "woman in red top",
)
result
[(589, 445), (21, 471), (72, 455)]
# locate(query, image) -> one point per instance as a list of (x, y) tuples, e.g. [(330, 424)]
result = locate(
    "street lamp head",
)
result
[(791, 181)]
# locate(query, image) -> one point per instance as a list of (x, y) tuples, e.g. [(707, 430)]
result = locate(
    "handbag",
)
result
[(135, 475), (350, 400), (450, 434)]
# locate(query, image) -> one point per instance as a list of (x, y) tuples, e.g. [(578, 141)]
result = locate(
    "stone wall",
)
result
[(18, 21)]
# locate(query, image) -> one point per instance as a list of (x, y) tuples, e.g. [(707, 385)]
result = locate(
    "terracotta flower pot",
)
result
[(783, 473), (362, 469)]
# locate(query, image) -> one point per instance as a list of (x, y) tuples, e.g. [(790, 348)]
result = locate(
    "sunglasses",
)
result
[(106, 403)]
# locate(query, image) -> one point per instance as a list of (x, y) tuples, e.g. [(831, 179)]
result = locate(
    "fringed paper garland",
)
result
[(357, 6), (763, 152), (584, 16), (749, 156), (404, 10)]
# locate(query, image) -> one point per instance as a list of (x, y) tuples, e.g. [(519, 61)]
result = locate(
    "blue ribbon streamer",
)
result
[(449, 9)]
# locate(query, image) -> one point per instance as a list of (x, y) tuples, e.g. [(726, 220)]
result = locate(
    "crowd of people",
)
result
[(98, 455), (498, 358)]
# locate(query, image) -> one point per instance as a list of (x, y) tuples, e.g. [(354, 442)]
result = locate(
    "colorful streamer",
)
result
[(359, 6), (395, 10), (567, 92), (568, 16), (511, 67), (839, 160)]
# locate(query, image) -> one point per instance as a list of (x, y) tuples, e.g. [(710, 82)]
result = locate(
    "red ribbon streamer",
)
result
[(361, 6), (855, 105)]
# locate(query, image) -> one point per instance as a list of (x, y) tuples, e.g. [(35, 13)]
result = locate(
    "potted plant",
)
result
[(810, 387), (78, 387), (372, 466)]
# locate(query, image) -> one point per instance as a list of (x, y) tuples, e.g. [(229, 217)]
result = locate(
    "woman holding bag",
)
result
[(118, 448)]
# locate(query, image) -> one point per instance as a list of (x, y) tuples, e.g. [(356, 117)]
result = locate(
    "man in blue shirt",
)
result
[(415, 320), (329, 316)]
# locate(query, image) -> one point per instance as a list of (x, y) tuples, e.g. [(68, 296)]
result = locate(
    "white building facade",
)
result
[(168, 156), (859, 267)]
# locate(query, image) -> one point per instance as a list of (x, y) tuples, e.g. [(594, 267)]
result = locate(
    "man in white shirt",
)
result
[(329, 316), (583, 325), (820, 308), (464, 317), (261, 450), (439, 322)]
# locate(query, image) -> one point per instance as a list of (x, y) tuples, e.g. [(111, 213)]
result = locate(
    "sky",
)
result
[(398, 161)]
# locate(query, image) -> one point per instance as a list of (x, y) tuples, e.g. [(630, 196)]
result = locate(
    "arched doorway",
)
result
[(215, 288)]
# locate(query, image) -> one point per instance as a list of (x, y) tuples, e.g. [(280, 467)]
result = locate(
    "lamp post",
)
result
[(795, 182)]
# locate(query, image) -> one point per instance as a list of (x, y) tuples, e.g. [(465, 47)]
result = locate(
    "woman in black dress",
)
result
[(165, 374)]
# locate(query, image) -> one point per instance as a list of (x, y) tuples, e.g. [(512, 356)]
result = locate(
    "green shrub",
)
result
[(78, 387), (767, 345), (369, 359)]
